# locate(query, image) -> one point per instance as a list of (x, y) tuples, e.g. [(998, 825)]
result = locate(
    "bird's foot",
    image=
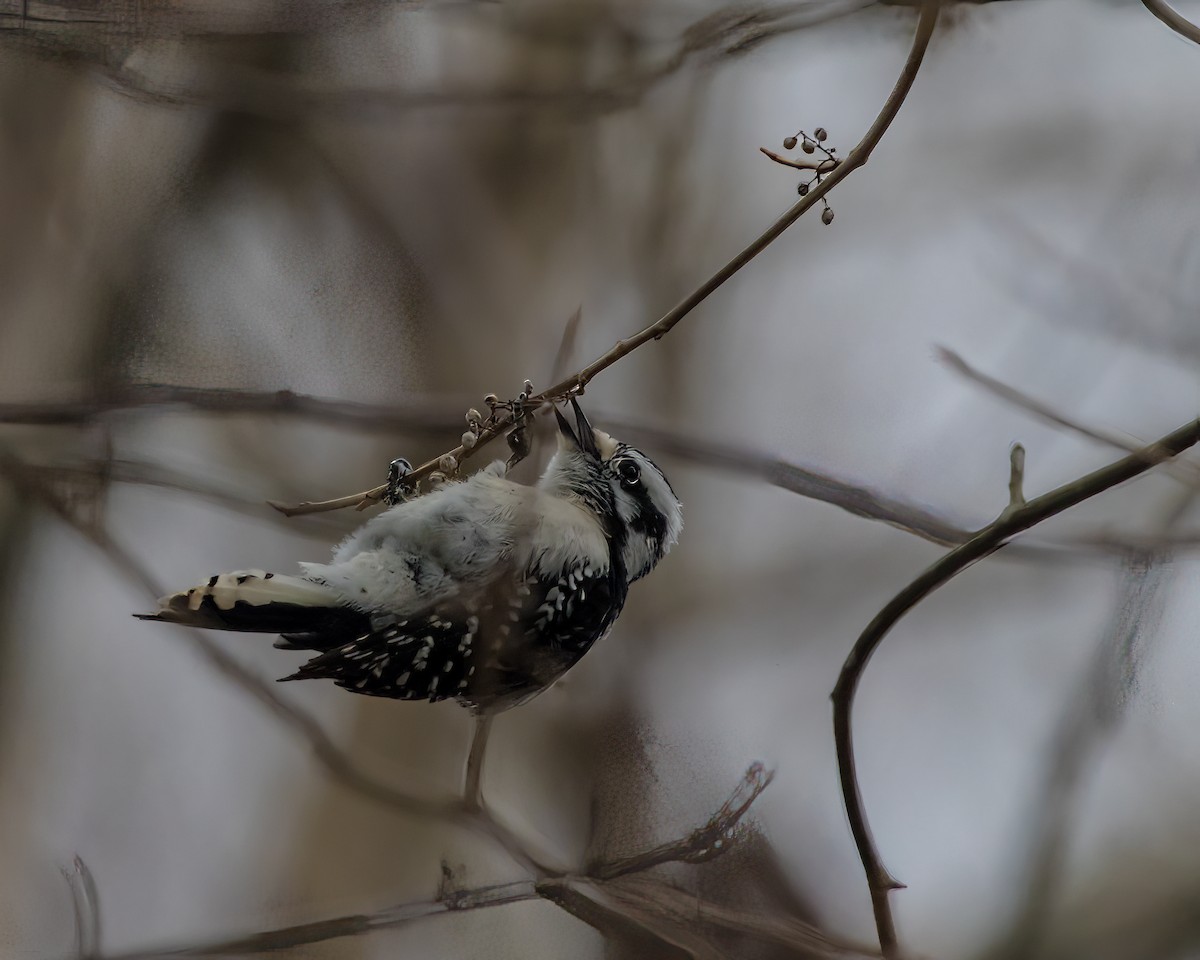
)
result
[(397, 489)]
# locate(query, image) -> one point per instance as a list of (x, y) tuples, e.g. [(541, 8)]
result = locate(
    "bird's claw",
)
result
[(518, 443), (397, 490)]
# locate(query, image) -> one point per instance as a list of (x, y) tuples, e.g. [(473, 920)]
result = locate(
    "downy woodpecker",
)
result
[(483, 590)]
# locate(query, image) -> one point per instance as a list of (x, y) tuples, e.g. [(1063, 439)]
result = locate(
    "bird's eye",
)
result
[(629, 472)]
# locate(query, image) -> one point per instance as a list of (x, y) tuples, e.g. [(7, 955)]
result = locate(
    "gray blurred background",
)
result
[(402, 204)]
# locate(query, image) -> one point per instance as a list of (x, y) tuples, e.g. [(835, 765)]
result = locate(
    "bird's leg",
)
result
[(473, 780), (518, 443), (397, 490)]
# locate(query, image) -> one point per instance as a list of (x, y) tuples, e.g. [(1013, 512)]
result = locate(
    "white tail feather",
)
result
[(253, 587)]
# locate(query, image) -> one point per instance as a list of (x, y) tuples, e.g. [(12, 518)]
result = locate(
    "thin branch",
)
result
[(559, 888), (653, 899), (1091, 716), (634, 925), (856, 158), (282, 938), (473, 780), (413, 416), (85, 904), (984, 543), (824, 165), (566, 346), (856, 499), (805, 481), (703, 843), (577, 382), (1184, 472), (1185, 28)]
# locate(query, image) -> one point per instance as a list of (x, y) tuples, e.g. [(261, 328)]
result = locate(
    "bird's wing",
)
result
[(444, 546), (522, 635)]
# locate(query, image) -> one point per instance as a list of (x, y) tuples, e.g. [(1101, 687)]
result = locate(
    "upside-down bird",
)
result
[(483, 589)]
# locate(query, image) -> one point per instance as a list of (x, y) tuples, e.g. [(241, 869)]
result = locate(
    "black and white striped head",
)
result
[(646, 505), (625, 486)]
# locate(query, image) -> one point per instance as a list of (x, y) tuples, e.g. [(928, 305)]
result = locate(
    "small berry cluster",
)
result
[(811, 145), (507, 415), (518, 439)]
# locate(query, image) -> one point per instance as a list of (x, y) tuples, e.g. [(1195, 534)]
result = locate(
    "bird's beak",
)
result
[(587, 436), (582, 436)]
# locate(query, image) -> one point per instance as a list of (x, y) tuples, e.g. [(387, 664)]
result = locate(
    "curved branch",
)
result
[(990, 539), (1185, 28)]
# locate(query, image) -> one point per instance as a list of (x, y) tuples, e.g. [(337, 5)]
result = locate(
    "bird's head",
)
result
[(622, 485)]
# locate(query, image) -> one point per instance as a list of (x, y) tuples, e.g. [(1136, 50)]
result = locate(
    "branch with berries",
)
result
[(509, 416)]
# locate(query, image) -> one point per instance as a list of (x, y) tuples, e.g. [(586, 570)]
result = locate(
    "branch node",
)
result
[(1016, 477)]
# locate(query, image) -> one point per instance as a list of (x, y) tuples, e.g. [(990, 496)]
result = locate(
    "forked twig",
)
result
[(990, 539), (701, 844), (562, 889)]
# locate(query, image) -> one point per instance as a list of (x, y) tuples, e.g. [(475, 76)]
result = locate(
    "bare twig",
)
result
[(1185, 28), (1016, 477), (1184, 472), (807, 482), (282, 938), (704, 843), (560, 888), (856, 158), (984, 543), (656, 902), (473, 780), (631, 924), (577, 382), (824, 165), (412, 416), (85, 904), (854, 498), (566, 346), (1092, 713)]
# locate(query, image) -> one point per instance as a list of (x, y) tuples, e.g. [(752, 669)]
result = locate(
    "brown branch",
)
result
[(577, 382), (85, 905), (806, 482), (1185, 28), (635, 924), (413, 416), (1091, 716), (856, 158), (855, 499), (282, 938), (666, 908), (473, 779), (707, 843), (1184, 472), (704, 843), (987, 541), (824, 165)]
